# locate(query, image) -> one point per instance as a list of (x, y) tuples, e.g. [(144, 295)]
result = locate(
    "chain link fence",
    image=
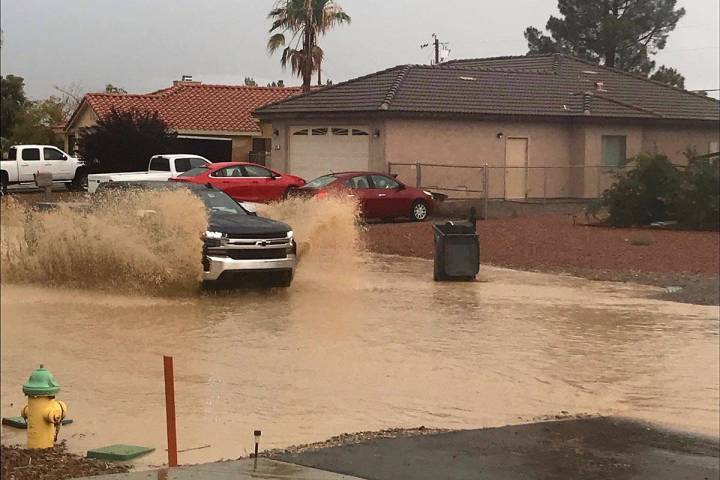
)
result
[(484, 182)]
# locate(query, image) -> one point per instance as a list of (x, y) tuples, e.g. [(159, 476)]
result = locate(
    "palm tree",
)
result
[(303, 21)]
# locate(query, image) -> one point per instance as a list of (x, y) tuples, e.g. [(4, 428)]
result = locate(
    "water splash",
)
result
[(146, 242)]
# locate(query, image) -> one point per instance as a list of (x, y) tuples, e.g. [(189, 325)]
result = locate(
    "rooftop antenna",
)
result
[(440, 55)]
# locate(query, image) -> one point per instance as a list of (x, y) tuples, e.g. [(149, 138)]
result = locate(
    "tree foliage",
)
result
[(617, 33), (279, 83), (36, 122), (669, 76), (250, 82), (124, 141), (12, 93), (110, 88), (298, 24)]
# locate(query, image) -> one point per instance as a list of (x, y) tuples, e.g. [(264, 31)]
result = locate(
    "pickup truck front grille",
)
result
[(255, 254)]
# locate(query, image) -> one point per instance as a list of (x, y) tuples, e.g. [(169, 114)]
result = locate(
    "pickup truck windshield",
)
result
[(218, 202)]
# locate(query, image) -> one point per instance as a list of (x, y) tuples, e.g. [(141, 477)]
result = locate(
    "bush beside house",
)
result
[(656, 190)]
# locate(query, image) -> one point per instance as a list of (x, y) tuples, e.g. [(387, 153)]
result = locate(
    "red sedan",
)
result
[(244, 181), (380, 195)]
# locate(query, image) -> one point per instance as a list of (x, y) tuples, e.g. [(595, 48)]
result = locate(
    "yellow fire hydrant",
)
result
[(43, 413)]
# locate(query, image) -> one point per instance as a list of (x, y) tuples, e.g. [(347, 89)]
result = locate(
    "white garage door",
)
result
[(316, 151)]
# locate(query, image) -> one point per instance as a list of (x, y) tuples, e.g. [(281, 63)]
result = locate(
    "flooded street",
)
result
[(359, 349)]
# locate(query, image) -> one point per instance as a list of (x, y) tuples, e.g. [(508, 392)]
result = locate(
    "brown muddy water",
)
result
[(359, 342)]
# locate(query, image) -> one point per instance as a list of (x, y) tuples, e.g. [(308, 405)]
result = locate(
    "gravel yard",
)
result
[(552, 243)]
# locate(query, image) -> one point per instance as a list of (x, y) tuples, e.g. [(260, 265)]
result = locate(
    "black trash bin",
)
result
[(457, 251)]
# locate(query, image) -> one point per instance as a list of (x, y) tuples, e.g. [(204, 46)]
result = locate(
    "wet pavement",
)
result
[(344, 350), (237, 470)]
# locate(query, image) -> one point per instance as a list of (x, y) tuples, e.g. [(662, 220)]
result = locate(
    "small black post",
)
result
[(472, 218), (257, 442), (437, 50)]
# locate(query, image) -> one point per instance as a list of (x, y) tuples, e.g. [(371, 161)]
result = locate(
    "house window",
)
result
[(301, 132), (359, 132), (714, 147), (340, 131), (319, 131), (613, 150)]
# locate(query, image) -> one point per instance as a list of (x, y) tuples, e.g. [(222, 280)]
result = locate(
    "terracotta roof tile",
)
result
[(195, 106), (549, 85)]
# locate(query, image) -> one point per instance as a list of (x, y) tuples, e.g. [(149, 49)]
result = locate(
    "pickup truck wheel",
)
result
[(79, 183), (3, 183), (282, 279)]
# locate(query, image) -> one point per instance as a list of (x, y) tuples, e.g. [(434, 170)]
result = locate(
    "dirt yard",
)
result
[(51, 464), (551, 243)]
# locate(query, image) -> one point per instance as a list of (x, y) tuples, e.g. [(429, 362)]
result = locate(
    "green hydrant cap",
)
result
[(41, 383)]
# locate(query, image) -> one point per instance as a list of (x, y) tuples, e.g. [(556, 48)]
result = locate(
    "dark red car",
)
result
[(244, 181), (380, 195)]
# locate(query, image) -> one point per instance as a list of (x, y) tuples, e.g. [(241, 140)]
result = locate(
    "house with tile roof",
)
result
[(546, 126), (211, 120)]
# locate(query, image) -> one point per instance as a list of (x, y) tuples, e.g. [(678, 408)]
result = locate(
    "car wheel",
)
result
[(289, 192), (419, 211), (3, 184), (282, 279)]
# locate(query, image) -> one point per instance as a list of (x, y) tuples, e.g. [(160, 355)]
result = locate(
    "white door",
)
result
[(316, 151), (516, 161), (58, 164), (30, 162)]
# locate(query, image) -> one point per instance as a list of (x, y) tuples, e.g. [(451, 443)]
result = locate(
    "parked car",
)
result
[(24, 161), (244, 181), (237, 243), (161, 168), (380, 195)]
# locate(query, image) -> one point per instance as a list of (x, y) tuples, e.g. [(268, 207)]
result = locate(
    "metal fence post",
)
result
[(544, 184), (597, 195), (389, 168), (486, 190), (418, 175)]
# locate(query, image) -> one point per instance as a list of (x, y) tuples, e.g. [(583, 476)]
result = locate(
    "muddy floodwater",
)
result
[(359, 350)]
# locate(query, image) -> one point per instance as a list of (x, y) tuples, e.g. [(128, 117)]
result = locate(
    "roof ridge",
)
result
[(638, 77), (501, 57), (334, 86), (394, 88), (493, 69), (628, 105)]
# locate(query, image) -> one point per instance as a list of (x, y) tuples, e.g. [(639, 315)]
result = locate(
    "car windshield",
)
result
[(194, 172), (321, 181), (218, 202)]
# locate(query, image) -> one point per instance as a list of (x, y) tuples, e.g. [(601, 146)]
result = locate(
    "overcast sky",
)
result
[(143, 45)]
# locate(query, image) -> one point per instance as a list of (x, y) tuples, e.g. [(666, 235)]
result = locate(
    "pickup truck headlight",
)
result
[(213, 239), (213, 235), (290, 234)]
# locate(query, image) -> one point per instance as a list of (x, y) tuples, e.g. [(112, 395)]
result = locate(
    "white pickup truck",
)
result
[(161, 168), (24, 161)]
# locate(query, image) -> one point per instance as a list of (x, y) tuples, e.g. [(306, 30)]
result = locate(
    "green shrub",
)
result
[(698, 203), (655, 190), (645, 194)]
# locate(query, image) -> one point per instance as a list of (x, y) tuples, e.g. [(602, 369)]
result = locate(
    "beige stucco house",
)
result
[(210, 120), (545, 126)]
